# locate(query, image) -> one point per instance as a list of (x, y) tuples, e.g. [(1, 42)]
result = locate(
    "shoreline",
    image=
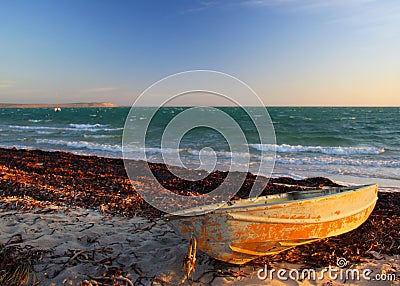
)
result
[(63, 201), (384, 183)]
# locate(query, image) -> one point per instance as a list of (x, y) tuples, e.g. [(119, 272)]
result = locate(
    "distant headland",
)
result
[(63, 105)]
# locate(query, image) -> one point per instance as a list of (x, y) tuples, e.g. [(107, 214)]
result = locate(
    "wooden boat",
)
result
[(243, 230)]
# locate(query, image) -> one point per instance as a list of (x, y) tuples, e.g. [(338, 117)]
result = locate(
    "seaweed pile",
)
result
[(32, 179)]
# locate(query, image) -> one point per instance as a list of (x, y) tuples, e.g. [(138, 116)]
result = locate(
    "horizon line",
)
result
[(5, 104)]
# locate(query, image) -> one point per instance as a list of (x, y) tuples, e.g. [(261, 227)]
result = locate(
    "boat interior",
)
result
[(295, 196), (270, 199)]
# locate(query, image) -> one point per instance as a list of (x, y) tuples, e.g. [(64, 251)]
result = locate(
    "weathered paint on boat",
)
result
[(243, 230)]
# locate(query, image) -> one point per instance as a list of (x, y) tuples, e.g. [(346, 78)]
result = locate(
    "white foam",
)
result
[(103, 147), (389, 189), (218, 153), (327, 160), (330, 150), (22, 127), (86, 126), (99, 136), (44, 132), (81, 128), (82, 144)]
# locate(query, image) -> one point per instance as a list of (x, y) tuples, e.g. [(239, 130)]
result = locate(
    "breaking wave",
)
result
[(82, 144), (285, 148), (89, 127), (86, 126)]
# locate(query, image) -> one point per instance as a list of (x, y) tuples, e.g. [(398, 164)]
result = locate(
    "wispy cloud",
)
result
[(99, 89), (306, 4), (267, 2), (7, 83), (315, 5), (371, 15), (200, 6), (380, 17)]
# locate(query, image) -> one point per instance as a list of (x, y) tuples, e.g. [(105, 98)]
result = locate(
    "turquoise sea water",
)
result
[(360, 145)]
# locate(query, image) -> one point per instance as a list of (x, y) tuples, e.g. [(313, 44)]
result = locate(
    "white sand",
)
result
[(137, 246)]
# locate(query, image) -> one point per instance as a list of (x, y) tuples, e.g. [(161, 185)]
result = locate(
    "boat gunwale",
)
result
[(240, 205), (272, 220)]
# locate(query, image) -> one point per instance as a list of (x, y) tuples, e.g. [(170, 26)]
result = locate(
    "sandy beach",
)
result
[(88, 247), (84, 224)]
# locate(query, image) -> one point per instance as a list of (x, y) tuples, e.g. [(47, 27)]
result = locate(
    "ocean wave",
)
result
[(89, 129), (82, 144), (150, 150), (104, 147), (100, 136), (211, 153), (44, 132), (35, 120), (389, 189), (86, 126), (111, 129), (286, 159), (21, 127), (338, 161), (285, 148)]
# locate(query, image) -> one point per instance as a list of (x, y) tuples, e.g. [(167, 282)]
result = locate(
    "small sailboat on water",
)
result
[(57, 108)]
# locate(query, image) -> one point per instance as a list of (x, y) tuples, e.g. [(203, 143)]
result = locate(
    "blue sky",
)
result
[(291, 52)]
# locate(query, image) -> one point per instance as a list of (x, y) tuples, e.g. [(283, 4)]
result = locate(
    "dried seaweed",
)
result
[(32, 179)]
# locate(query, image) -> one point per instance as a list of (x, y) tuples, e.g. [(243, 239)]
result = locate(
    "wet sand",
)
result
[(85, 217)]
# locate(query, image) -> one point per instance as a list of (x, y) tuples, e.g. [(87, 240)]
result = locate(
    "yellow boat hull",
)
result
[(242, 231)]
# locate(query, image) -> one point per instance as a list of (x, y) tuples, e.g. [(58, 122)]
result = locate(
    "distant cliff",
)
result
[(79, 104)]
